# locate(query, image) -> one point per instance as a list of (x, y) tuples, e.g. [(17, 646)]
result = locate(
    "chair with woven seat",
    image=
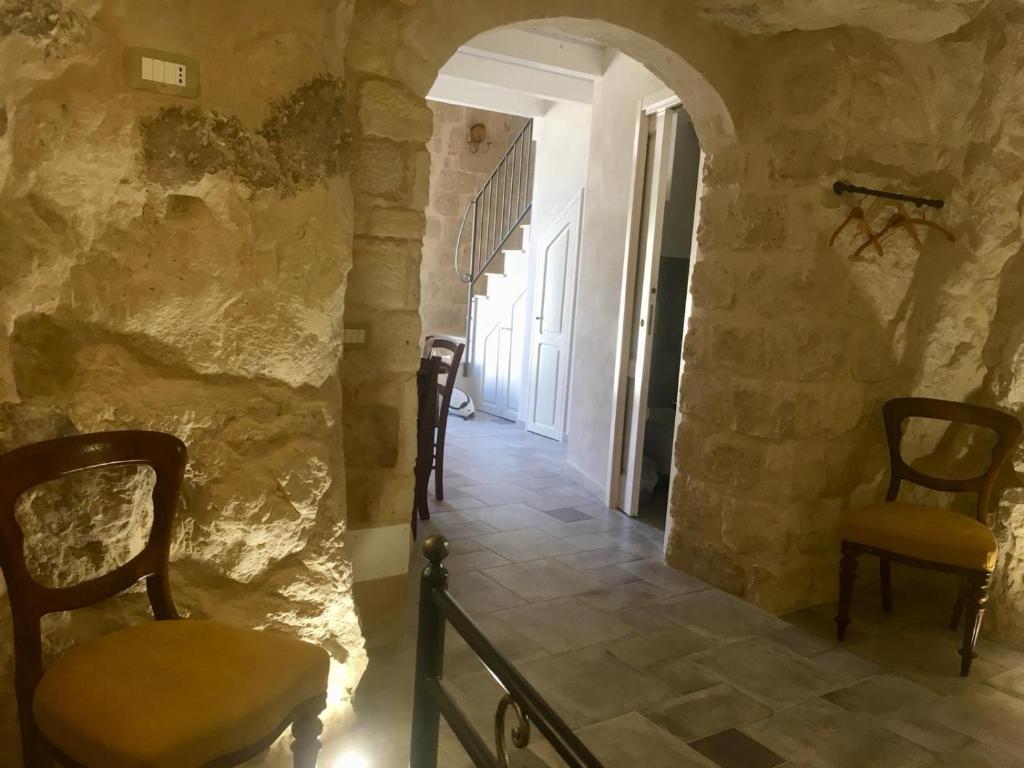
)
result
[(935, 538), (173, 693)]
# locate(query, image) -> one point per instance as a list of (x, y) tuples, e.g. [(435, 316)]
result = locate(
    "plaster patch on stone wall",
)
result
[(302, 142), (46, 21)]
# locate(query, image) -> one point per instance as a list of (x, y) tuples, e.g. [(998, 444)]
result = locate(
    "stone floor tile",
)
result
[(456, 530), (633, 594), (981, 756), (567, 515), (706, 711), (598, 558), (632, 740), (527, 544), (718, 615), (663, 577), (501, 493), (819, 733), (734, 749), (925, 730), (647, 651), (465, 583), (592, 686), (984, 713), (461, 502), (464, 546), (473, 561), (1011, 682), (882, 695), (488, 599), (511, 517), (801, 640), (846, 666), (548, 500), (548, 580), (644, 621), (766, 671), (684, 676), (564, 625)]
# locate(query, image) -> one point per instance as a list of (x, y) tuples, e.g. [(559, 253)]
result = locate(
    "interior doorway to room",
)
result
[(655, 307)]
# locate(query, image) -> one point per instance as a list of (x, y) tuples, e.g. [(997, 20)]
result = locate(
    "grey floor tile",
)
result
[(488, 599), (925, 730), (819, 733), (663, 577), (801, 640), (643, 620), (684, 676), (599, 558), (983, 713), (564, 625), (591, 686), (567, 514), (718, 615), (548, 501), (632, 740), (651, 650), (770, 673), (632, 594), (882, 695), (510, 517), (734, 749), (548, 580), (501, 493), (707, 711), (981, 756), (527, 544)]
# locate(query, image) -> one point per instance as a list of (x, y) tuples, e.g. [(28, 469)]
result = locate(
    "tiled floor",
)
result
[(656, 669)]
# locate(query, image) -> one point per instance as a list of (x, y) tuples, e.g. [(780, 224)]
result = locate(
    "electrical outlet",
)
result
[(161, 72)]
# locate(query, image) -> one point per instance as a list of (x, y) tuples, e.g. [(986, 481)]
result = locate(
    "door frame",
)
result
[(658, 102), (577, 201)]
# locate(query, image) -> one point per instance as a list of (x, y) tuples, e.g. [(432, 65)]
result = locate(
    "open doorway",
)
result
[(657, 269)]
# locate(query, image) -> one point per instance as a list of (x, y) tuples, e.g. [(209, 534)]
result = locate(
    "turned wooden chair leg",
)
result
[(885, 576), (958, 605), (306, 732), (977, 598), (847, 578)]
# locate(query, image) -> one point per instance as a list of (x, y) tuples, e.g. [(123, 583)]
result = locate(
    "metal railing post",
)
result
[(426, 711)]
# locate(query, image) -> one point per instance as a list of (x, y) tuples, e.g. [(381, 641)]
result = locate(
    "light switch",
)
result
[(168, 73)]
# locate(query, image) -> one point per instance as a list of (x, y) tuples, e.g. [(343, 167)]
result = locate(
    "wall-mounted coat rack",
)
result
[(841, 186), (898, 220)]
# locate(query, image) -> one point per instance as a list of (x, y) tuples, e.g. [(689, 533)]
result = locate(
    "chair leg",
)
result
[(977, 598), (847, 577), (439, 471), (306, 732), (958, 605), (885, 575)]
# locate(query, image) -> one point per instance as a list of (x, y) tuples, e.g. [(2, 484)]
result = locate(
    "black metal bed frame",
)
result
[(431, 699)]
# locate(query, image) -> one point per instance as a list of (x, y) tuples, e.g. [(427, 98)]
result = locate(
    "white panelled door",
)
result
[(553, 303)]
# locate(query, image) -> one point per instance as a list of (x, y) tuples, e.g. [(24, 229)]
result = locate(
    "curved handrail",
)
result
[(465, 278)]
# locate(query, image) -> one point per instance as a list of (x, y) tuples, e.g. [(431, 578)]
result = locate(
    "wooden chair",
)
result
[(931, 537), (450, 353), (183, 693), (426, 423)]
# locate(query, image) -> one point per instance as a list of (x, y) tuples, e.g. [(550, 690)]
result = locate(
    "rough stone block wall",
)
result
[(458, 172), (181, 265)]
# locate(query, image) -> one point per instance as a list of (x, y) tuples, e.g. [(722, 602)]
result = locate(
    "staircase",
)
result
[(491, 259)]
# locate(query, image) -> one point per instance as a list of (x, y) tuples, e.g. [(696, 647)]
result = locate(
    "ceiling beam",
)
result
[(520, 76), (470, 93), (577, 59)]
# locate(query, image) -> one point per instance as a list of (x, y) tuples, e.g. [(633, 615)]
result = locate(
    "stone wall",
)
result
[(181, 265), (458, 171)]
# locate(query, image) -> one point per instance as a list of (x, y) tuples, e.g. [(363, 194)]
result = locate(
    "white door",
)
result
[(658, 149), (554, 301)]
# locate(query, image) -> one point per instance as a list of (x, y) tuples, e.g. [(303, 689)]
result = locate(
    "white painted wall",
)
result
[(617, 99), (563, 148)]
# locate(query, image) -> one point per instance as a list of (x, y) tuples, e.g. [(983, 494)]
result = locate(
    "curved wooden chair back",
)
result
[(1006, 426), (450, 353), (32, 465)]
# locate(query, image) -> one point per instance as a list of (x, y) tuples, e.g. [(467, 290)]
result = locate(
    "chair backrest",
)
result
[(32, 465), (450, 353), (1005, 425)]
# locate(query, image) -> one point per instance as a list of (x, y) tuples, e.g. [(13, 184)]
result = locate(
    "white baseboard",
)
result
[(378, 553), (591, 486)]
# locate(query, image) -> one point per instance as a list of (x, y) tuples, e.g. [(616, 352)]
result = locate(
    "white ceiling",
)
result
[(521, 72)]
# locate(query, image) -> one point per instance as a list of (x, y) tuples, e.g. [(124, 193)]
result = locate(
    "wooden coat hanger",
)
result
[(856, 214)]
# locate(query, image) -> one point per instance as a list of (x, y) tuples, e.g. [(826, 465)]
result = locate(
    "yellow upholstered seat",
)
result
[(174, 694), (932, 534)]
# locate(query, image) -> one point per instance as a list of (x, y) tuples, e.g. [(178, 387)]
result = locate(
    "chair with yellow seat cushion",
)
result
[(174, 693), (931, 537)]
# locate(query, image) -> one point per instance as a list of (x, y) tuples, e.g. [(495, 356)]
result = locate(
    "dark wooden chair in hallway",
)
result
[(449, 352), (426, 426), (935, 538), (172, 692)]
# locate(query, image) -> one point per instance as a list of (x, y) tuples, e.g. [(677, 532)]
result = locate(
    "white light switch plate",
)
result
[(148, 69)]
